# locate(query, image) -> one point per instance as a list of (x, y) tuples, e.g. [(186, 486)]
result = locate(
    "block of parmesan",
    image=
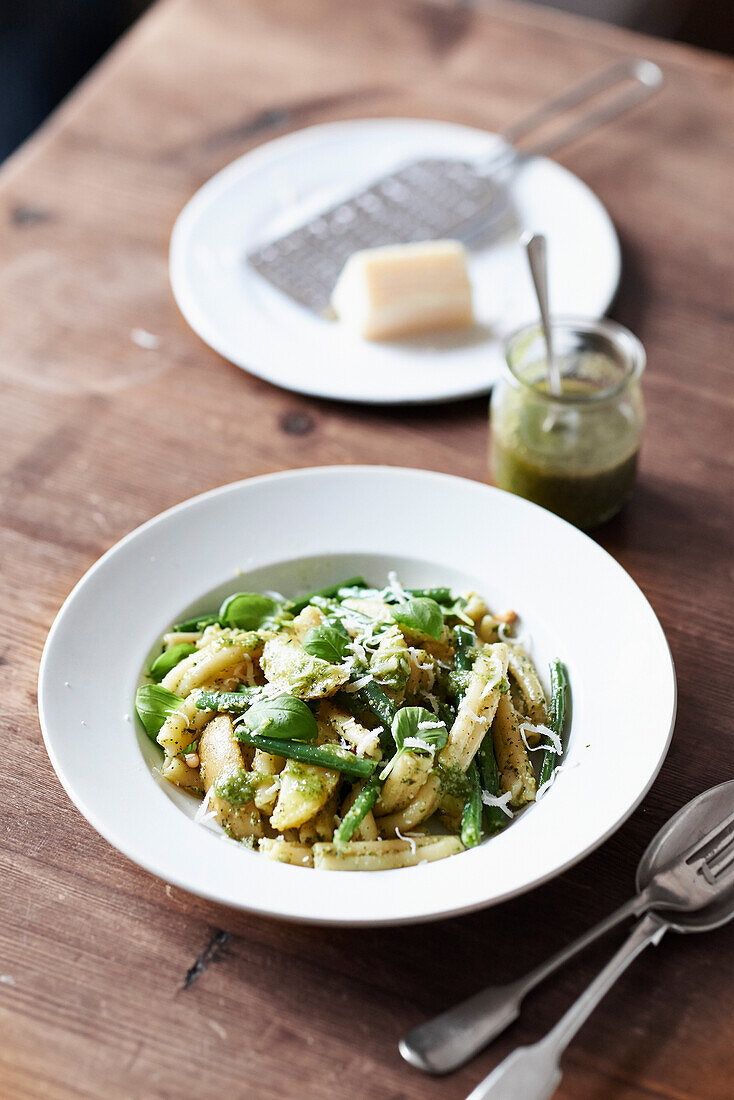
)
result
[(404, 289)]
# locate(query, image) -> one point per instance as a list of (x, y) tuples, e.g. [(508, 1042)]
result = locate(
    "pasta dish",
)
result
[(354, 728)]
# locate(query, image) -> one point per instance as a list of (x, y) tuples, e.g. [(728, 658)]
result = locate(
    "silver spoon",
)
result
[(537, 251), (665, 881)]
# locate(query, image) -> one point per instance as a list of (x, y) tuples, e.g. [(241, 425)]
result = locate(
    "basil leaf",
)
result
[(169, 659), (201, 622), (328, 641), (154, 704), (422, 615), (456, 609), (408, 722), (247, 610), (284, 717)]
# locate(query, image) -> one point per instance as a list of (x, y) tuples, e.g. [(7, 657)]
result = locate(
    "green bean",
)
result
[(446, 713), (294, 606), (323, 756), (490, 777), (464, 642), (228, 702), (556, 717), (471, 818), (464, 655), (374, 699), (350, 702), (197, 624), (355, 703), (358, 811), (440, 595)]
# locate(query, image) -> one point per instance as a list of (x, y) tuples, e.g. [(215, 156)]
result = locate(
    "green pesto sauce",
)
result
[(578, 461), (585, 500), (391, 669), (306, 782), (238, 788), (457, 681), (454, 782)]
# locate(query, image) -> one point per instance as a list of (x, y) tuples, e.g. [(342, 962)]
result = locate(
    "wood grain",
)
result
[(115, 985)]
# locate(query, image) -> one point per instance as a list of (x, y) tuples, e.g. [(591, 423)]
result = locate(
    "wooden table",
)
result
[(116, 985)]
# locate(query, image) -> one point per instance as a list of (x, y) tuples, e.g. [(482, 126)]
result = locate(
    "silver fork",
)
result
[(686, 883), (533, 1073), (668, 879)]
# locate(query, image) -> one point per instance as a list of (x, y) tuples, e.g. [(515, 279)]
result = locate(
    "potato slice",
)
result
[(287, 665), (304, 789), (221, 758)]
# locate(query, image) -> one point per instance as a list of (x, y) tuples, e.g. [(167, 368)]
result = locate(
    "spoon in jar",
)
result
[(669, 878), (537, 252)]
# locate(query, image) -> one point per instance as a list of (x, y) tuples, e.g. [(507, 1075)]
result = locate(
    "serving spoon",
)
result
[(668, 880)]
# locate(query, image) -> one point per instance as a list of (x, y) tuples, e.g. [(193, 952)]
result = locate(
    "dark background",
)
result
[(46, 46)]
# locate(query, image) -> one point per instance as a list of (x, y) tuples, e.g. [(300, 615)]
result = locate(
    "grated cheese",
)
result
[(418, 743), (249, 671), (432, 701), (523, 639), (394, 586), (409, 838), (549, 782), (358, 684), (368, 741), (203, 815), (544, 731), (145, 339), (430, 667), (501, 800), (488, 688), (480, 719), (357, 651)]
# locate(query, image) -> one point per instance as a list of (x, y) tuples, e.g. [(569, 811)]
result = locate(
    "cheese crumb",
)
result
[(144, 339)]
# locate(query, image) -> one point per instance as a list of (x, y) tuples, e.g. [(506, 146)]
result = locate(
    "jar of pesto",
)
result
[(574, 452)]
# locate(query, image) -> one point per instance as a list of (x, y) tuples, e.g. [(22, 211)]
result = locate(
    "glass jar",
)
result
[(574, 453)]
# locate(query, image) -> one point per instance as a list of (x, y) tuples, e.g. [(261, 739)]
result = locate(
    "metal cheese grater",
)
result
[(433, 199)]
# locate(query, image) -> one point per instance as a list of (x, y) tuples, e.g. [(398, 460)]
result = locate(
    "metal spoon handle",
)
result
[(451, 1039), (537, 250), (533, 1073)]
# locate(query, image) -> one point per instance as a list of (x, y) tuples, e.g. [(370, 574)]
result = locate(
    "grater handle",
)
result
[(638, 80)]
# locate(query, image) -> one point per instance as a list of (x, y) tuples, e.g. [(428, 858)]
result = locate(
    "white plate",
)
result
[(280, 185), (294, 531)]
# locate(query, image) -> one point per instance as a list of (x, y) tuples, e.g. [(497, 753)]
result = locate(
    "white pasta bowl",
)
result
[(300, 530)]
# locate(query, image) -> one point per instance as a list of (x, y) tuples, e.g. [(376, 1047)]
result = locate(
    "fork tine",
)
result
[(721, 868), (723, 841), (722, 857), (700, 847)]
